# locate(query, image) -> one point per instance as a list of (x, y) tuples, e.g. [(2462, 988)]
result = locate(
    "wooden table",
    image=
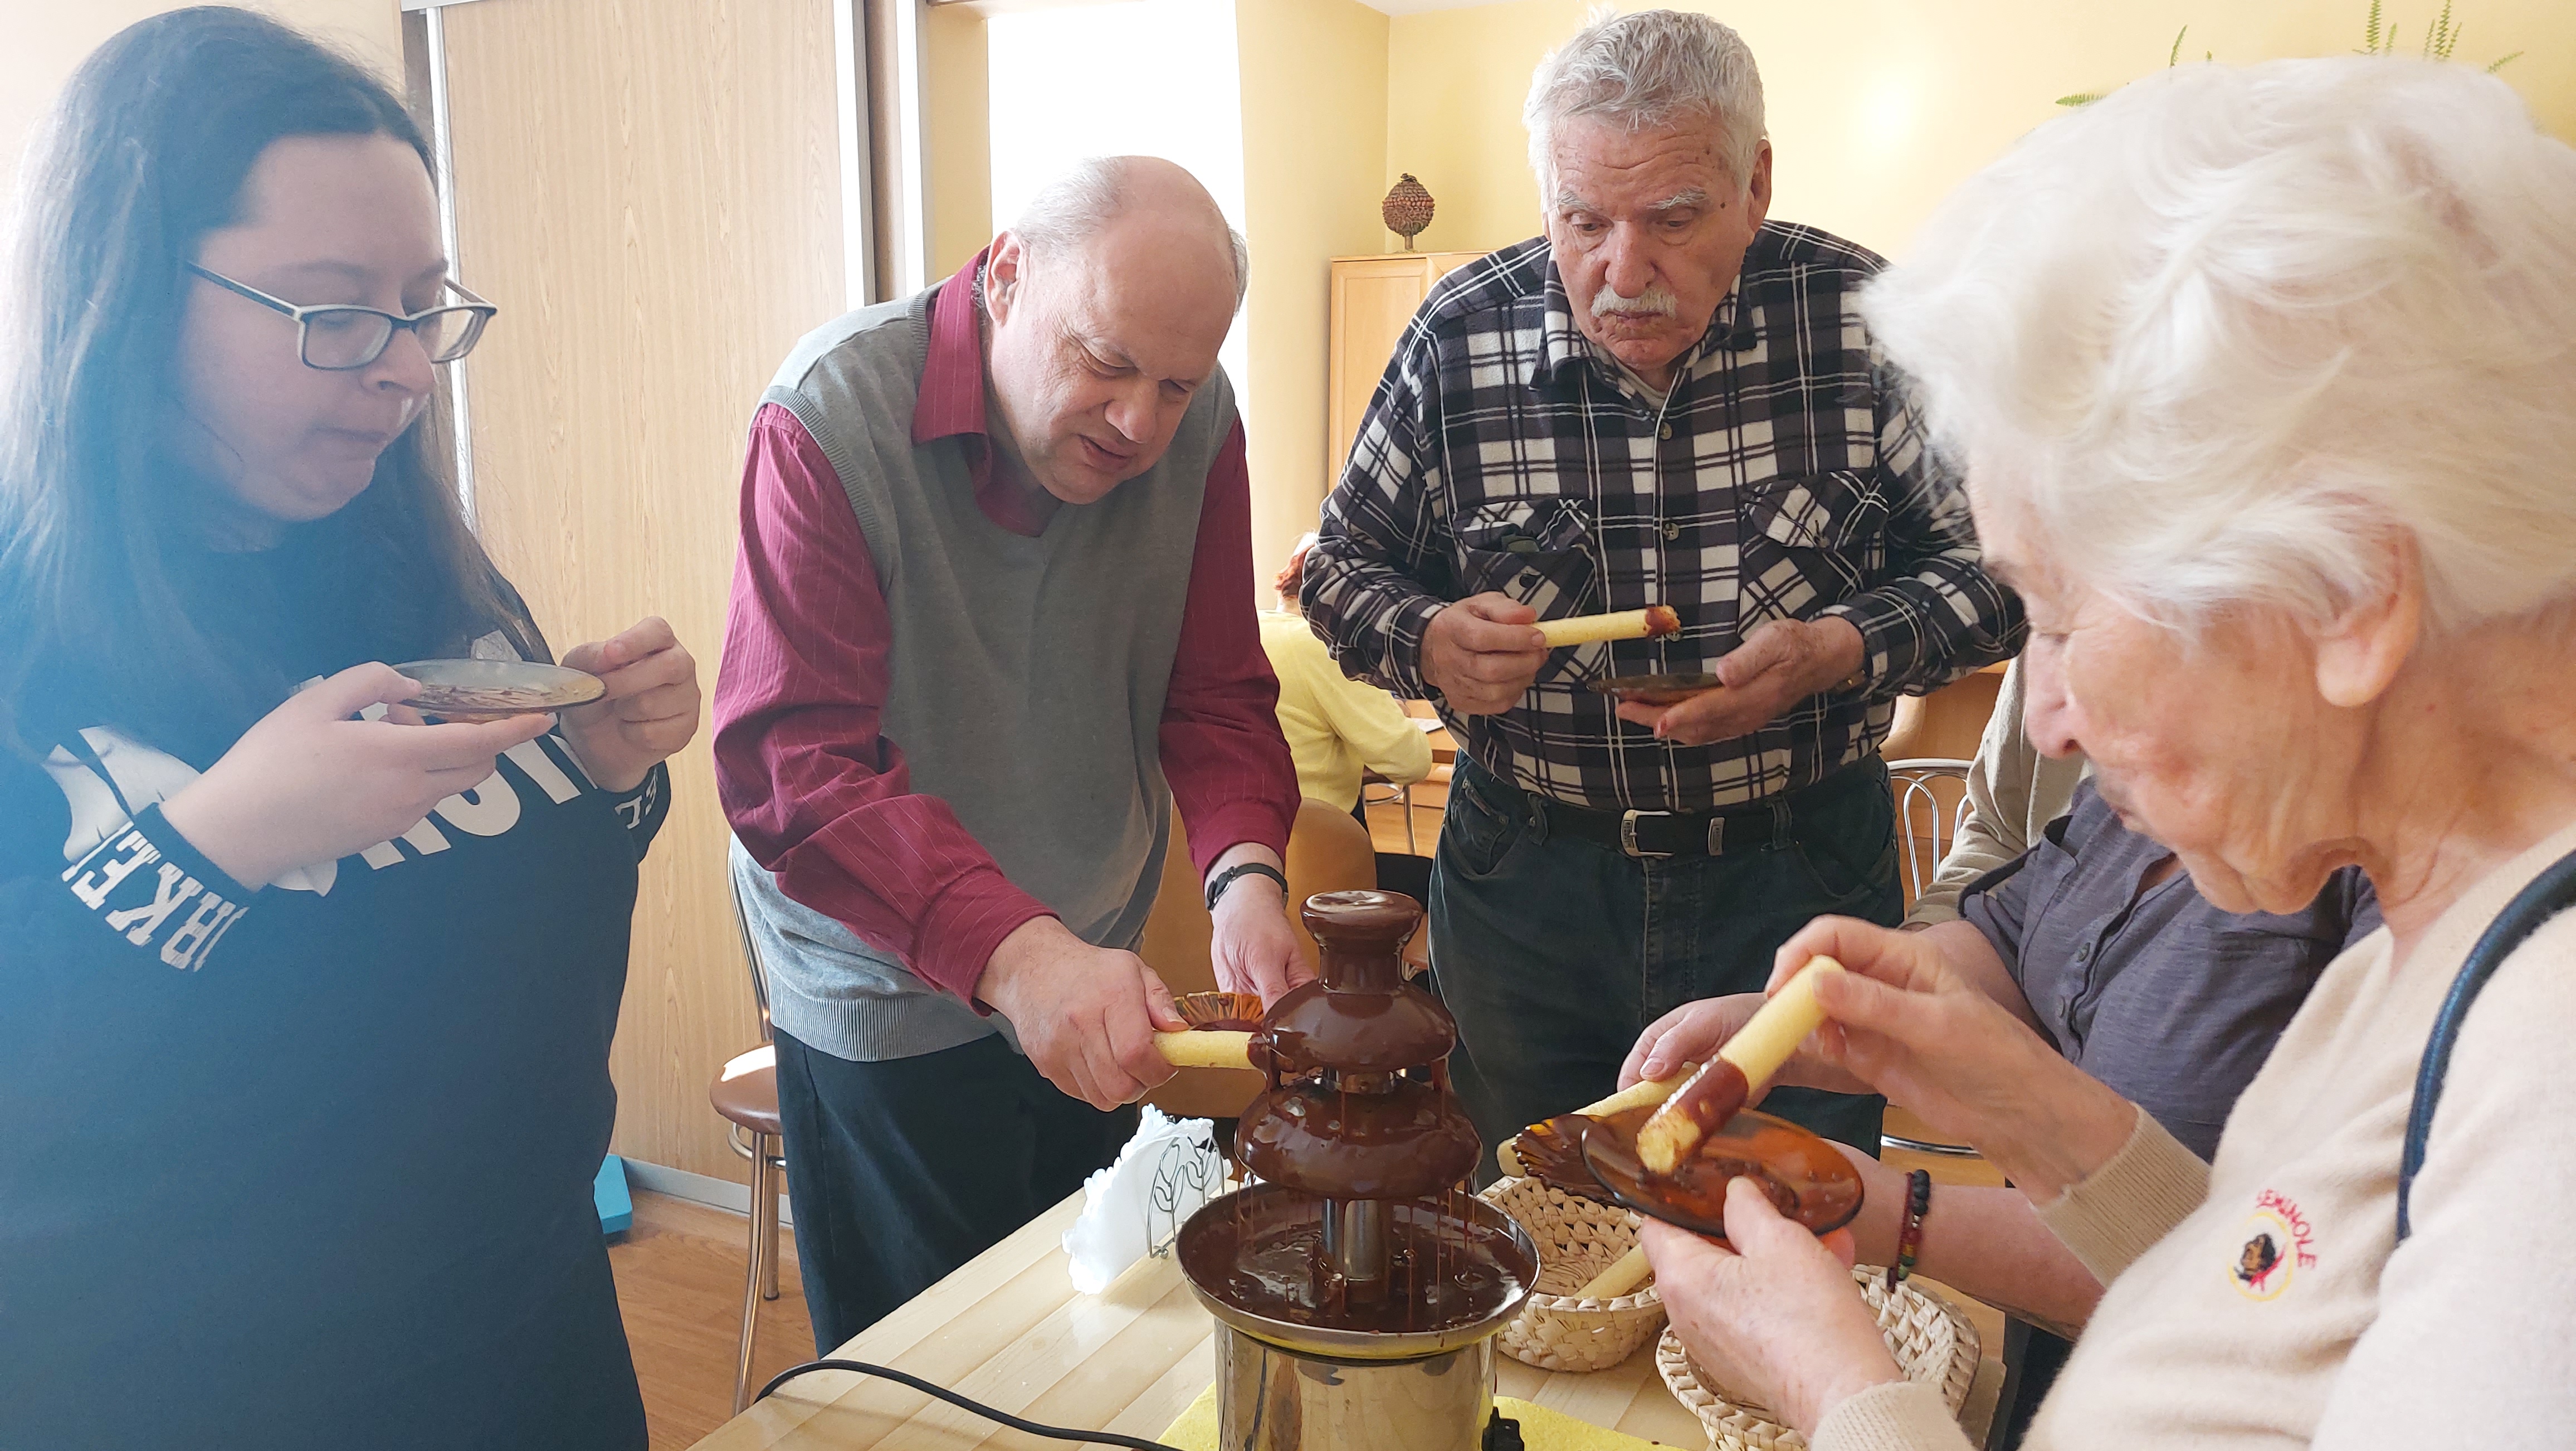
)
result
[(1009, 1330)]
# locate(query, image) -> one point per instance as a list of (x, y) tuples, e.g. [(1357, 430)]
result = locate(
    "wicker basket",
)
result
[(1577, 1239), (1933, 1342)]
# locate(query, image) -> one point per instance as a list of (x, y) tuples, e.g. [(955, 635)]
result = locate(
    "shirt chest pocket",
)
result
[(1811, 541), (1538, 551)]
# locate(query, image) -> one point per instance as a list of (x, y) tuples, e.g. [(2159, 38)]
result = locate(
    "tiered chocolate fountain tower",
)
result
[(1358, 1287)]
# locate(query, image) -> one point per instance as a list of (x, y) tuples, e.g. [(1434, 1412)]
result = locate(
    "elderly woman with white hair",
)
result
[(2264, 381)]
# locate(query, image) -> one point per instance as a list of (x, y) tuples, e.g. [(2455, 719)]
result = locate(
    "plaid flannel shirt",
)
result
[(1784, 477)]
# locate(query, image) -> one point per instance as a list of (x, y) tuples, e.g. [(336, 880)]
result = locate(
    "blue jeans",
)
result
[(1555, 953)]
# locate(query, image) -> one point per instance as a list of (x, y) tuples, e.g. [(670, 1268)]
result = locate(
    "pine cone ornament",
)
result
[(1407, 209)]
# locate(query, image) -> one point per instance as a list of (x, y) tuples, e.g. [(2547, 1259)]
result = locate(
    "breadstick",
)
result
[(1643, 624), (1625, 1273), (1205, 1048), (1640, 1094), (1714, 1094)]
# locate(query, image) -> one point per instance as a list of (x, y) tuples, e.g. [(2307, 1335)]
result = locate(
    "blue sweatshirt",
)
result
[(311, 1165)]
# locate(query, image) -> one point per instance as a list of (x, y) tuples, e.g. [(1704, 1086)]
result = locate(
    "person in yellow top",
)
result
[(1337, 727)]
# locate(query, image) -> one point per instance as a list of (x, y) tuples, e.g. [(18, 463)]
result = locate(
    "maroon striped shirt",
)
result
[(823, 799)]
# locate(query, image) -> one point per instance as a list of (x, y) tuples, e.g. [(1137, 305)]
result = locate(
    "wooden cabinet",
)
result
[(1373, 299)]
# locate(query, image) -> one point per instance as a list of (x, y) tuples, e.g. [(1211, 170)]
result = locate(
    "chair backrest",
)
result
[(1931, 796), (1328, 851), (751, 957)]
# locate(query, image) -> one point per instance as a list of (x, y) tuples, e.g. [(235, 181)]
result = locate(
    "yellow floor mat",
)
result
[(1541, 1428)]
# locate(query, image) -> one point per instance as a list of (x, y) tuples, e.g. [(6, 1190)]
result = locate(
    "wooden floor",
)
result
[(1386, 821), (679, 1282)]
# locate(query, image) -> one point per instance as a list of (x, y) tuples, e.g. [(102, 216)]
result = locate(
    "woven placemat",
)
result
[(1933, 1341), (1577, 1239)]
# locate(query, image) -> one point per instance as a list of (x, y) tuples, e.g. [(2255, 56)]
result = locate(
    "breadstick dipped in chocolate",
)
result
[(1222, 1032), (1636, 1095), (1718, 1091), (1645, 624)]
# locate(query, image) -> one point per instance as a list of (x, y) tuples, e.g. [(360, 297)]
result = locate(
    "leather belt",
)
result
[(1648, 834)]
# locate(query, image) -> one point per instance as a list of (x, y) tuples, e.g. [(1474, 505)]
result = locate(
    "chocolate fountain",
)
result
[(1357, 1287)]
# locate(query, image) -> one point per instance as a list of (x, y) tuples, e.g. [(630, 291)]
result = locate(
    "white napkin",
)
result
[(1135, 1207)]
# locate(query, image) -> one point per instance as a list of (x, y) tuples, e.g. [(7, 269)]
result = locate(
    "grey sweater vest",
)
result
[(1028, 678)]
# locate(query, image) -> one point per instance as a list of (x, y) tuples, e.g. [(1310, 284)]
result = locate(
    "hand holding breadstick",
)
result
[(1646, 624), (1716, 1092)]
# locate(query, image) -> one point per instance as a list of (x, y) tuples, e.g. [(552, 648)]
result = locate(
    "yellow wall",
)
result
[(1314, 127), (957, 137), (1879, 107), (43, 41)]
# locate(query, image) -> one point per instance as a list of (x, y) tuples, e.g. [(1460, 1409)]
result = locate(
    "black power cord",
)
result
[(963, 1403)]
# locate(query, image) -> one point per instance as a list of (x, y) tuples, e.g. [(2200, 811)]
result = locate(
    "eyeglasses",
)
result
[(341, 338)]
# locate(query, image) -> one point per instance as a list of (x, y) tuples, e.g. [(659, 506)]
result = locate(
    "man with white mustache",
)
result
[(1664, 400)]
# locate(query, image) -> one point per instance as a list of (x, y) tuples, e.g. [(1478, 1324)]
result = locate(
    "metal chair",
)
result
[(1919, 802), (1397, 795), (746, 1093)]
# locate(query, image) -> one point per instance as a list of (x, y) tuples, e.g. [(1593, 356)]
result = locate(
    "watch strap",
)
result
[(1226, 878)]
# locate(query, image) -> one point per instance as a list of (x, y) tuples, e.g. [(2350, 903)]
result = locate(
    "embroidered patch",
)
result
[(2277, 1245)]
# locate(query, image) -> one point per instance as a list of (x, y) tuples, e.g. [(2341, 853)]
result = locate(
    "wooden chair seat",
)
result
[(747, 1090)]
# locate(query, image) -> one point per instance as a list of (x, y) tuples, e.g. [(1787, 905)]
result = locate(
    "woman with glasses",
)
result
[(305, 1001)]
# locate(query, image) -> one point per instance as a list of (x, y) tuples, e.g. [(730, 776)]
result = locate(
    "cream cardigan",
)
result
[(2263, 1300)]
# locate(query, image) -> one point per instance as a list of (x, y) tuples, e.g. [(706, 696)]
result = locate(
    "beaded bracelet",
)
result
[(1918, 1199)]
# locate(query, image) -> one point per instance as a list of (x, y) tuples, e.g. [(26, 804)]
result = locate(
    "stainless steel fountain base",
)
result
[(1271, 1398)]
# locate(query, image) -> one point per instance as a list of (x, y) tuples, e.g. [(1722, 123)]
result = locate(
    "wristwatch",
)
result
[(1225, 879)]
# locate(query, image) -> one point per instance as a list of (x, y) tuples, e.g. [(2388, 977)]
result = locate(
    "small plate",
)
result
[(1657, 689), (1221, 1012), (483, 690), (1808, 1179)]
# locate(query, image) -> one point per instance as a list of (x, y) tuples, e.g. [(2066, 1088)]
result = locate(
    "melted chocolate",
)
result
[(1807, 1179), (1358, 1117), (1443, 1271), (1341, 1144)]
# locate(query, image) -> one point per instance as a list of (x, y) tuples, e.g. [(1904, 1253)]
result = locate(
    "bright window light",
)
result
[(1134, 77)]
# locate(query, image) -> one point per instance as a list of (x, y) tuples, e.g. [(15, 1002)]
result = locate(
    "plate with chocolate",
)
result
[(488, 690), (1806, 1178), (1663, 689)]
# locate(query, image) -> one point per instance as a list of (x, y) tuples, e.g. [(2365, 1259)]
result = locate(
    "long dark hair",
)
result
[(102, 542)]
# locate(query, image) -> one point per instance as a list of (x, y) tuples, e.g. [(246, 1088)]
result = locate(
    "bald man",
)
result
[(992, 619)]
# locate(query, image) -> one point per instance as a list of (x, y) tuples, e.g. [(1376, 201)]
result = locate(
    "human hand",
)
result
[(1687, 1034), (1693, 1032), (1904, 1022), (307, 784), (1772, 1314), (1483, 653), (1778, 665), (1086, 1015), (1251, 944), (650, 710)]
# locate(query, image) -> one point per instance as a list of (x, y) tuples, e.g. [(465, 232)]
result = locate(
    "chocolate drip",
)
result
[(1361, 1135)]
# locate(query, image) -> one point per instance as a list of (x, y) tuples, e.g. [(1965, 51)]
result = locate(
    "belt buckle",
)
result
[(1628, 835)]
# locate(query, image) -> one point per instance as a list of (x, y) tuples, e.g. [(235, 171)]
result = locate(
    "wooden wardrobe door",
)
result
[(650, 190), (1373, 299)]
